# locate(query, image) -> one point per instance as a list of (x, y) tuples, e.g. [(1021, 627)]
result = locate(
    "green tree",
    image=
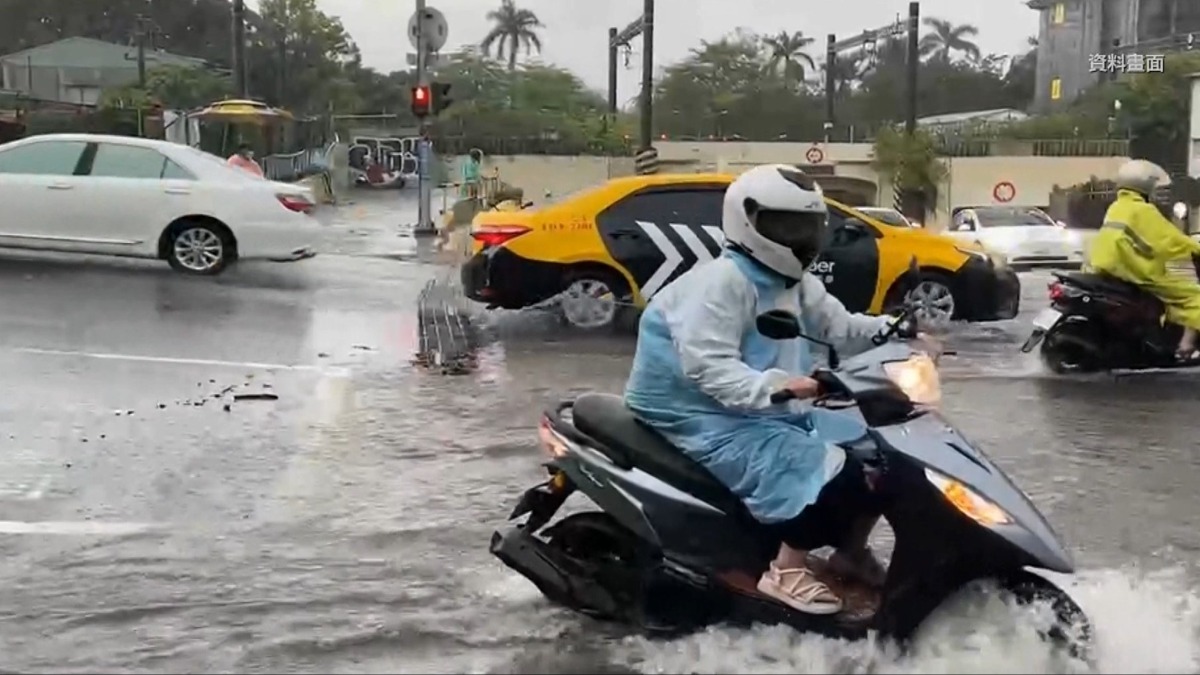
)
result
[(787, 55), (513, 29), (912, 161), (173, 87), (297, 57), (945, 39)]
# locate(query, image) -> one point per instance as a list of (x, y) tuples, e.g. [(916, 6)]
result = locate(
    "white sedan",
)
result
[(136, 197), (1026, 235)]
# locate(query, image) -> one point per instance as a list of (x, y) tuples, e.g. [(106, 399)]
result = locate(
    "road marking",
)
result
[(80, 527), (167, 359)]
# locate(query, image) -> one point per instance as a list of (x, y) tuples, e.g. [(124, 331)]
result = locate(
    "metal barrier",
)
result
[(448, 338)]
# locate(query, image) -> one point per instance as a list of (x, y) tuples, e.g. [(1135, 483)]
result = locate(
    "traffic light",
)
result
[(441, 97), (421, 100)]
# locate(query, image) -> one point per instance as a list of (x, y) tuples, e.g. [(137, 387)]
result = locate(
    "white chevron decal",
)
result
[(716, 233), (693, 242), (671, 263)]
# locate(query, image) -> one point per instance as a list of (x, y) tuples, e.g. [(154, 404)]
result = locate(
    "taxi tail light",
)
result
[(496, 235)]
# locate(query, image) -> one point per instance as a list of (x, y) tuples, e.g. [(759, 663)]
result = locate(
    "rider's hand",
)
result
[(803, 387)]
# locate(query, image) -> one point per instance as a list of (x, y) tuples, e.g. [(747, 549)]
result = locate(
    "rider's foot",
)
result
[(799, 589), (860, 565), (1187, 357)]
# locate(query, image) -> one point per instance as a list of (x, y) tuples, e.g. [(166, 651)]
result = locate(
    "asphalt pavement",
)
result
[(246, 474)]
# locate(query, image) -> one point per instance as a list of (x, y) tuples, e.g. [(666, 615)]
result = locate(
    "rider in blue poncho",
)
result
[(703, 377)]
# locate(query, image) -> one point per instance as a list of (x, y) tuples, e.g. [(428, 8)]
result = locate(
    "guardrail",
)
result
[(294, 166)]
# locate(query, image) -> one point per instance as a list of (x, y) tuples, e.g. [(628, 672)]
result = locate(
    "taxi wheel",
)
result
[(591, 298), (932, 296)]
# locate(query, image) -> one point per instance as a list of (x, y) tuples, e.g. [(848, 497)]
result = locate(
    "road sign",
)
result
[(815, 155), (1004, 192), (434, 28)]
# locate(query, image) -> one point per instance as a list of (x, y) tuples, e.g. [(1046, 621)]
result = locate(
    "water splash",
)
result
[(1144, 623)]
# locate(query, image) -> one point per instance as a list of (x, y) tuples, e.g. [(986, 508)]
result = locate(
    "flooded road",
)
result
[(150, 522)]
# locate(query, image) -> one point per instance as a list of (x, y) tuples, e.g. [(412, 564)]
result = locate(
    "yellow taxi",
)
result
[(621, 242)]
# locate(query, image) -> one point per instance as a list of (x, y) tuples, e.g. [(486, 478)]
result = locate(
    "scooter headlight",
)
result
[(967, 501), (917, 377)]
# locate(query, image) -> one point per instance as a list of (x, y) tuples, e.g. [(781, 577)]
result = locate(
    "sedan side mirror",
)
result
[(778, 324)]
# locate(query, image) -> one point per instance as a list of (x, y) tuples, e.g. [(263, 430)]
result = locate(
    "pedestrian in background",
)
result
[(243, 159)]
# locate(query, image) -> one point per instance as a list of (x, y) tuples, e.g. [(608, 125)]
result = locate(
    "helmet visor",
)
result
[(801, 231)]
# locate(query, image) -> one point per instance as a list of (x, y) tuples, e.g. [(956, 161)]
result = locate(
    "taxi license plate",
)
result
[(1047, 318)]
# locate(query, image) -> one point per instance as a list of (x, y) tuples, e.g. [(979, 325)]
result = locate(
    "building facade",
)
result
[(76, 70), (1074, 34)]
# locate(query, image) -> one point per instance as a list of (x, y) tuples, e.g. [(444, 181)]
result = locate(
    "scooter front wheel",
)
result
[(1071, 630)]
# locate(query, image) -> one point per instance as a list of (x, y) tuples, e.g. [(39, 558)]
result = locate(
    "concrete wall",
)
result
[(971, 181)]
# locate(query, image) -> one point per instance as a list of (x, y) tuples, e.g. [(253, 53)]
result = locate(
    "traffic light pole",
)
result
[(424, 145)]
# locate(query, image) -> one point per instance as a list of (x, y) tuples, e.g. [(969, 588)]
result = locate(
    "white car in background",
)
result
[(1027, 236), (136, 197)]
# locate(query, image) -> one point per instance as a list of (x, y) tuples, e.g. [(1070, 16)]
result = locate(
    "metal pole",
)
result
[(239, 48), (141, 51), (910, 108), (612, 71), (424, 149), (830, 64), (647, 113), (914, 62)]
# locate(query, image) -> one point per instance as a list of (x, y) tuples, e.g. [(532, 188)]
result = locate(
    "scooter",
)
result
[(1096, 322), (672, 550)]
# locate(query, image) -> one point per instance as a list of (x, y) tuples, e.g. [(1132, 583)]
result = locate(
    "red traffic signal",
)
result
[(420, 100)]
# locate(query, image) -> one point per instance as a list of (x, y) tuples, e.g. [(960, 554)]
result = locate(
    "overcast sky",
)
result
[(576, 31)]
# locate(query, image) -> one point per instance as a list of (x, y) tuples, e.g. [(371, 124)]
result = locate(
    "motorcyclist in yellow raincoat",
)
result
[(1136, 242)]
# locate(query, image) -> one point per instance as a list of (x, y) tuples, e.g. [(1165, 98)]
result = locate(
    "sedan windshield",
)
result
[(1004, 216)]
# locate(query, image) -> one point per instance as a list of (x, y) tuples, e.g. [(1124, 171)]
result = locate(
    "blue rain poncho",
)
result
[(703, 376)]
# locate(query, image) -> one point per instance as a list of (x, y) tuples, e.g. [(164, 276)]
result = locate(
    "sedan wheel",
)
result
[(198, 249), (589, 303), (933, 301)]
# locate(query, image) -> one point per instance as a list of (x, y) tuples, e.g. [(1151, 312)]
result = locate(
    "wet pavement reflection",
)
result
[(150, 522)]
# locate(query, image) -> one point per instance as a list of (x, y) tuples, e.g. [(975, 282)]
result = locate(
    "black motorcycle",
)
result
[(671, 549), (1096, 322)]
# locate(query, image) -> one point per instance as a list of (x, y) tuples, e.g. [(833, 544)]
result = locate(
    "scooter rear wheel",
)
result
[(612, 555), (1063, 350)]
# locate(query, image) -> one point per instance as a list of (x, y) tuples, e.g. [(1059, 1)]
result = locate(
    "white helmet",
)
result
[(1142, 177), (777, 215)]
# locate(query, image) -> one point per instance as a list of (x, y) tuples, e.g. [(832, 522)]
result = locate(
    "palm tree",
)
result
[(786, 53), (947, 38), (513, 29)]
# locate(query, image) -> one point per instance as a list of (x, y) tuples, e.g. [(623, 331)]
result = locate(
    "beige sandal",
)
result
[(799, 589)]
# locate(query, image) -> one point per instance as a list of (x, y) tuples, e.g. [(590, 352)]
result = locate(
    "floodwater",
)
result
[(344, 526)]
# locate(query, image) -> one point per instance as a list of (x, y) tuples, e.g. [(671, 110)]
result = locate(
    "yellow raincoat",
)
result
[(1135, 244)]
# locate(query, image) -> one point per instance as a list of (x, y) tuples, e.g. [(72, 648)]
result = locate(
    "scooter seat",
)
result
[(605, 418), (1100, 282)]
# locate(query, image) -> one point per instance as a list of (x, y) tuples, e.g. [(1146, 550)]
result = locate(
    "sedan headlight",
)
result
[(917, 377), (967, 501)]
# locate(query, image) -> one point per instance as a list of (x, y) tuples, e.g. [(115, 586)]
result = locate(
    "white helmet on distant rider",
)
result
[(776, 214), (1142, 176)]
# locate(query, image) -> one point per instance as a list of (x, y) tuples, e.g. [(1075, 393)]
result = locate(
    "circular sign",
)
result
[(433, 27), (815, 155), (1004, 192)]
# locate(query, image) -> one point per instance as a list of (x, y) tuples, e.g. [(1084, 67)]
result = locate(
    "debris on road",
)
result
[(260, 396)]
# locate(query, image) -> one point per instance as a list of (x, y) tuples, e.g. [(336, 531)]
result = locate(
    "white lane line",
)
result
[(168, 359), (81, 527)]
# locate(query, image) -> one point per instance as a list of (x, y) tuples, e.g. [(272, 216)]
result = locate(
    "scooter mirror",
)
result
[(778, 324)]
